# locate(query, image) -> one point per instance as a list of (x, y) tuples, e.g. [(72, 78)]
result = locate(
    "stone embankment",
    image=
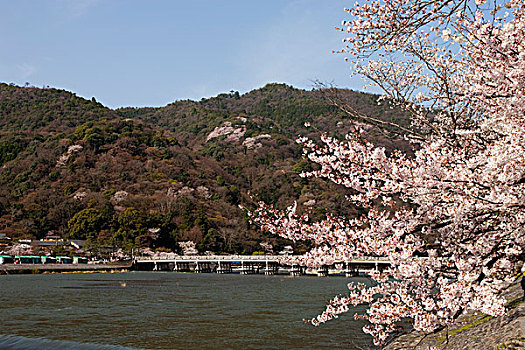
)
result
[(8, 269), (475, 331)]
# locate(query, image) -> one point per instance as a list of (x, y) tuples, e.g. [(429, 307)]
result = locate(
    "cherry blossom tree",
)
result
[(451, 216), (188, 248)]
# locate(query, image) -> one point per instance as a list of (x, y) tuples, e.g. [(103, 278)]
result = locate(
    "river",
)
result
[(162, 310)]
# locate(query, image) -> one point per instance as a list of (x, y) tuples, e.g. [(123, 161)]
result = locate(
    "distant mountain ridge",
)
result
[(150, 177)]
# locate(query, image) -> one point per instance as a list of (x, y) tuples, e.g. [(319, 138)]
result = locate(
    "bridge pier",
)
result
[(350, 271), (181, 266), (297, 270), (224, 267), (382, 267), (247, 269), (271, 268), (202, 267), (160, 266), (322, 271)]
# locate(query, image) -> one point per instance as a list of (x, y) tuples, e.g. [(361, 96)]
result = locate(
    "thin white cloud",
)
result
[(76, 8), (25, 70)]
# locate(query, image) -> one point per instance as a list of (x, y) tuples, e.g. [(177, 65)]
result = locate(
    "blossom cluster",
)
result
[(64, 158)]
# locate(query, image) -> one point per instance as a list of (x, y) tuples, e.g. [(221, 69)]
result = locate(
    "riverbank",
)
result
[(476, 331), (9, 269)]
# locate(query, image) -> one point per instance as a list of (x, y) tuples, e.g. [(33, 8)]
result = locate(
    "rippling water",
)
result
[(159, 310)]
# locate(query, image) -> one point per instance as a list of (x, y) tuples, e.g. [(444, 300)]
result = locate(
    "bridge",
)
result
[(256, 264)]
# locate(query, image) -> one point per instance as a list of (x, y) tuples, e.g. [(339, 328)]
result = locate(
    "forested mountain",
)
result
[(150, 177)]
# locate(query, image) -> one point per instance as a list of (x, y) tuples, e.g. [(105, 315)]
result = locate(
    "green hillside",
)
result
[(150, 177)]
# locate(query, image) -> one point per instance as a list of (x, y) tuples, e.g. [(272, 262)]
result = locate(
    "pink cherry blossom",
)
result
[(451, 216)]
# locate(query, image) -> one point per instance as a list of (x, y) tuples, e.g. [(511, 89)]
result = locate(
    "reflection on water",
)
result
[(159, 310)]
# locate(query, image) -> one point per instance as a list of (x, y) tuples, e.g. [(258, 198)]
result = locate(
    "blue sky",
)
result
[(152, 52)]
